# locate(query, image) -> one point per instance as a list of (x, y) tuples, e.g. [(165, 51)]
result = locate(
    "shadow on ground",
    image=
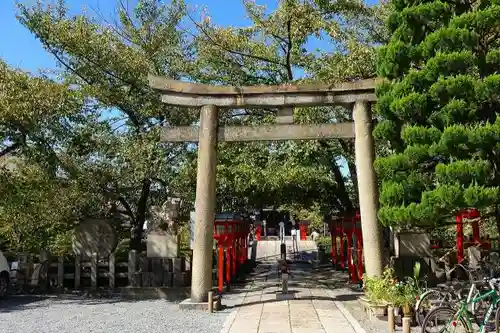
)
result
[(339, 298), (27, 302)]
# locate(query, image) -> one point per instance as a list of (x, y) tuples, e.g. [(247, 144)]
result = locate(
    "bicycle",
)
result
[(446, 294), (462, 315)]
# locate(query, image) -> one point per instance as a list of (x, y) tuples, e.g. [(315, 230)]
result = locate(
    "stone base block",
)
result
[(284, 297), (187, 304)]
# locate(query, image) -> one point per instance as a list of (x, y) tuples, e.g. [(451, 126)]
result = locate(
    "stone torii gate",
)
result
[(356, 95)]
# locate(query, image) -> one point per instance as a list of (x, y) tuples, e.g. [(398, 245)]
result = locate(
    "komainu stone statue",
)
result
[(162, 230), (164, 217)]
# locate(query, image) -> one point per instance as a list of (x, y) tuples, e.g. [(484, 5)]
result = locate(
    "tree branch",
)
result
[(10, 149), (288, 64), (225, 48)]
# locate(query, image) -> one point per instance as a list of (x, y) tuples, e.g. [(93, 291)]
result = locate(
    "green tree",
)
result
[(39, 118), (109, 146), (439, 111), (275, 49), (119, 152)]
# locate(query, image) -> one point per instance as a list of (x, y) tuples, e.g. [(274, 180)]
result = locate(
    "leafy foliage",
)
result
[(439, 111), (276, 49), (89, 132), (109, 64)]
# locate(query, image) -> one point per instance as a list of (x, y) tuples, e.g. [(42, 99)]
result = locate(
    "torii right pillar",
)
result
[(367, 188)]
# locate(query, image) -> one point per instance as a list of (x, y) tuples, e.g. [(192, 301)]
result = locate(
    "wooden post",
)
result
[(460, 237), (111, 274), (391, 325), (78, 271), (210, 301), (132, 268), (178, 265), (93, 271), (60, 272), (406, 324), (157, 269), (167, 268)]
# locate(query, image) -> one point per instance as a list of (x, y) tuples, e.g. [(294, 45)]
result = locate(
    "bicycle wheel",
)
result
[(443, 319), (497, 320), (429, 300)]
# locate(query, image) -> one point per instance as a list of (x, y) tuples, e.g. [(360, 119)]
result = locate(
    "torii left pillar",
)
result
[(201, 280)]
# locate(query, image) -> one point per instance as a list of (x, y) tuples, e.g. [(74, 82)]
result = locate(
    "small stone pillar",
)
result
[(367, 188), (201, 282)]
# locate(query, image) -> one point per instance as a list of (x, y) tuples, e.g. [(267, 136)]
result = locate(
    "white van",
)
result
[(4, 275)]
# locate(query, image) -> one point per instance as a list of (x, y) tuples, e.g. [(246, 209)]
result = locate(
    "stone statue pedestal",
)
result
[(162, 244)]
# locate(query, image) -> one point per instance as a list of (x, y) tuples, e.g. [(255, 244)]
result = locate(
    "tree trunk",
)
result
[(344, 201), (136, 237), (342, 194), (140, 217)]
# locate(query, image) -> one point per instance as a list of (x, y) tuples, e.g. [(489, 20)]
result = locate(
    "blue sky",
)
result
[(20, 49)]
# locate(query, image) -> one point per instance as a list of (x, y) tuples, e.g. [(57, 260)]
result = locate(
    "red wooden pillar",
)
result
[(460, 237), (234, 263), (342, 258), (242, 248), (350, 264), (303, 231), (220, 267), (349, 252), (245, 254), (258, 232), (228, 255), (342, 247)]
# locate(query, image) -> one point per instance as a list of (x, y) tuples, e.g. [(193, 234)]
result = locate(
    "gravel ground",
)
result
[(75, 315)]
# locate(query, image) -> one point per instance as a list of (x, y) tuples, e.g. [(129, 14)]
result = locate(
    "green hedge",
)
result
[(324, 242)]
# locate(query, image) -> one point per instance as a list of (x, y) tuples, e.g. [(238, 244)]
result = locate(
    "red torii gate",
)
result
[(346, 227), (231, 234), (469, 214)]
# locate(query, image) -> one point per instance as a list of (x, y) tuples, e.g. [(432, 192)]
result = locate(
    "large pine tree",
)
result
[(438, 110)]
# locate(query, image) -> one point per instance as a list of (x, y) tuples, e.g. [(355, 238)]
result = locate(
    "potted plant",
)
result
[(404, 293), (377, 292)]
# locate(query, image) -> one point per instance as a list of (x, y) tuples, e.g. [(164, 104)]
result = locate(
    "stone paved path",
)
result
[(316, 307)]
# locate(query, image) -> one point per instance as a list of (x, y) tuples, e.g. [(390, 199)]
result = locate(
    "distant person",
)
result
[(282, 231), (251, 233), (294, 232)]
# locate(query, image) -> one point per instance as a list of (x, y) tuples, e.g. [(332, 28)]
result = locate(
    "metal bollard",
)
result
[(406, 324), (284, 281), (211, 301), (283, 251), (390, 319)]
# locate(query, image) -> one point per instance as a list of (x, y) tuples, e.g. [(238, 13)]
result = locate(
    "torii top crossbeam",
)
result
[(194, 94)]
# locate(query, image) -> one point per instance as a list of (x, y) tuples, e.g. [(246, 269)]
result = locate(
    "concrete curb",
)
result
[(354, 323), (229, 322)]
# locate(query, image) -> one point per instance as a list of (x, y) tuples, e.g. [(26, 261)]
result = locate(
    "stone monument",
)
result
[(163, 239), (94, 236)]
